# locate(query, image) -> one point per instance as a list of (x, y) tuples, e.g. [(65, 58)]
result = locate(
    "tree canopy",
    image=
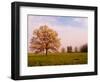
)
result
[(45, 40)]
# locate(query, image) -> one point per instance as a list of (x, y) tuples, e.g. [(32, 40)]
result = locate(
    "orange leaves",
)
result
[(45, 38)]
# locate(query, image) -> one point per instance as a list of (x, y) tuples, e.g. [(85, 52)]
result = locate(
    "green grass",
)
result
[(57, 59)]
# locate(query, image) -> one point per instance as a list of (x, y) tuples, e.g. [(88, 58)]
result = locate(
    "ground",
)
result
[(57, 59)]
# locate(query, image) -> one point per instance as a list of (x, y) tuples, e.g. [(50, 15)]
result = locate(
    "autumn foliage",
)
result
[(44, 40)]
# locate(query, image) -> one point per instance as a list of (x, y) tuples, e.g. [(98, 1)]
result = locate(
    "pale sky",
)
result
[(73, 31)]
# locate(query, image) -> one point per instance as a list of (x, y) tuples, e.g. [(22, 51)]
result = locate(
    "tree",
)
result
[(44, 39), (84, 48), (69, 49), (76, 49), (63, 50)]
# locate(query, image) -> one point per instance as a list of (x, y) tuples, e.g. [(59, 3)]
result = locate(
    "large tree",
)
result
[(45, 40)]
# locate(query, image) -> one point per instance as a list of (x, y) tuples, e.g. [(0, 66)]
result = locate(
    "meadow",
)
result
[(57, 59)]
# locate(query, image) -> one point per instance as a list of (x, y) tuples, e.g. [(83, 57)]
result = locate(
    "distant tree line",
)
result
[(83, 48)]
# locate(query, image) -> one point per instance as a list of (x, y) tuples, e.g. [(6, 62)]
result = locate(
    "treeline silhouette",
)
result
[(83, 48)]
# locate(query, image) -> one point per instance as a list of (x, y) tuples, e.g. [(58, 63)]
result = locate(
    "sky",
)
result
[(73, 31)]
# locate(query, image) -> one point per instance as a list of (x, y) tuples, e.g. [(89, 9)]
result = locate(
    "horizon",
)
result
[(73, 31)]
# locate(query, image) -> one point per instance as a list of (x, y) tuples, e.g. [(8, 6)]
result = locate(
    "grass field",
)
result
[(57, 59)]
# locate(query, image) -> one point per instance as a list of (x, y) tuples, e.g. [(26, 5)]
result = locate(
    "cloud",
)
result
[(82, 22)]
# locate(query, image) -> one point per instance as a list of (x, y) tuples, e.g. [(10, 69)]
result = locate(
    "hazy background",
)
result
[(73, 31)]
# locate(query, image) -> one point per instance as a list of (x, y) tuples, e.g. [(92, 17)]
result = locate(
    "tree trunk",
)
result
[(46, 51)]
